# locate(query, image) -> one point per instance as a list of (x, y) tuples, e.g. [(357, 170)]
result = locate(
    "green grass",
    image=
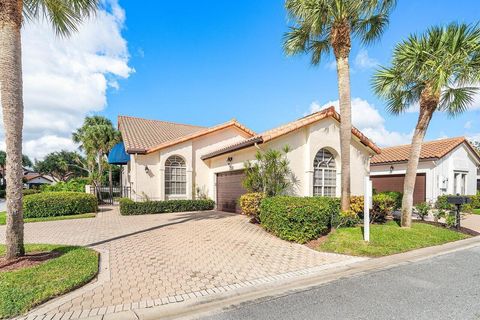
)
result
[(3, 218), (23, 289), (387, 239), (476, 211)]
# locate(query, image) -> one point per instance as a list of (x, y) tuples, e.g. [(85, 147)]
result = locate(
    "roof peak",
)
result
[(427, 142)]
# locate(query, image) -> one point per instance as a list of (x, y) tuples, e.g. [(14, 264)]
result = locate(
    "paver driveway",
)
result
[(154, 258)]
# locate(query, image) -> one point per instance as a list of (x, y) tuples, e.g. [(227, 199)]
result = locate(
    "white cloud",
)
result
[(468, 125), (364, 61), (68, 78), (368, 120)]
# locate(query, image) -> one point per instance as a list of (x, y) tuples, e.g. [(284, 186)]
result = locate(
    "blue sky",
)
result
[(205, 62)]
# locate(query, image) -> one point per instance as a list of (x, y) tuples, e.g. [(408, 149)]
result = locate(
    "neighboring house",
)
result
[(177, 161), (34, 179), (446, 166)]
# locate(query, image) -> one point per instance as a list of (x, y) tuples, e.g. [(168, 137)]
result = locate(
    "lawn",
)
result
[(3, 217), (476, 211), (23, 289), (387, 239)]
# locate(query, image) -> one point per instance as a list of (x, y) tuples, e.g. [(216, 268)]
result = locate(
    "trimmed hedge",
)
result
[(26, 192), (298, 219), (51, 204), (130, 207)]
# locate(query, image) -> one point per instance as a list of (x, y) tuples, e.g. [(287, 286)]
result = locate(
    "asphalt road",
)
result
[(443, 287)]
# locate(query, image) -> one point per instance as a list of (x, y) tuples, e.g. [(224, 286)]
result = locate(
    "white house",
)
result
[(178, 161), (447, 166)]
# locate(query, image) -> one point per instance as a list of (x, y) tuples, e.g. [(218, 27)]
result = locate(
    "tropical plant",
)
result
[(322, 26), (438, 70), (64, 16), (62, 165), (96, 137), (270, 174), (422, 208)]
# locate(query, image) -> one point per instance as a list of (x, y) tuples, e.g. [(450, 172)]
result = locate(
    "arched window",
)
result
[(175, 176), (324, 174)]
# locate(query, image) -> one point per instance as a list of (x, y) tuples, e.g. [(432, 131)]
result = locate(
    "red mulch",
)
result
[(315, 243), (29, 260)]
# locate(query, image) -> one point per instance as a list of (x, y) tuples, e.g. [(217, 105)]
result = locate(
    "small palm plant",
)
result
[(64, 16), (323, 26), (439, 70)]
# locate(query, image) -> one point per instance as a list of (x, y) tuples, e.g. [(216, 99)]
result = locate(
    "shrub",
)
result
[(74, 185), (475, 201), (346, 219), (422, 209), (250, 205), (442, 203), (451, 219), (383, 205), (130, 207), (356, 204), (50, 204), (438, 214), (397, 197), (298, 219), (27, 192)]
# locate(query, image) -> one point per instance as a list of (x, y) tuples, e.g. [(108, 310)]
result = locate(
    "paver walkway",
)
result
[(165, 258)]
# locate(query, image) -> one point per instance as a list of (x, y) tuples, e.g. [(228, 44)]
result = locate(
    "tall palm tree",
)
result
[(96, 137), (64, 16), (438, 70), (323, 26)]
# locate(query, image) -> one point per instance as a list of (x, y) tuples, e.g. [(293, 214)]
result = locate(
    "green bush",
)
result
[(475, 201), (298, 219), (130, 207), (50, 204), (422, 209), (73, 185), (250, 205), (397, 196), (346, 219), (383, 205), (442, 203), (27, 192)]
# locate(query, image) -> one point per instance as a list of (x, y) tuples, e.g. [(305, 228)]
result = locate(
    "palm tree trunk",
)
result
[(11, 92), (428, 104), (343, 72)]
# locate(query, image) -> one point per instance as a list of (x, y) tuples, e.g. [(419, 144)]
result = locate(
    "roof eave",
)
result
[(243, 145)]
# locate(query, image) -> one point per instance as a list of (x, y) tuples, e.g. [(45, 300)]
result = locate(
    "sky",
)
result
[(206, 62)]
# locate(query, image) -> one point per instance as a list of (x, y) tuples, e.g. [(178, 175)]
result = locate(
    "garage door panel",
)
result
[(395, 182), (229, 190)]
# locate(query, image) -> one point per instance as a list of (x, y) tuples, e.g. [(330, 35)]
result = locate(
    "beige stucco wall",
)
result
[(304, 144)]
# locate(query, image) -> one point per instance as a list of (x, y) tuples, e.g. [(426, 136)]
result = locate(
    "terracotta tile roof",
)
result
[(146, 136), (430, 150), (290, 127)]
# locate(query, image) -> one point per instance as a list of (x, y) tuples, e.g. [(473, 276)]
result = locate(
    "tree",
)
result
[(435, 70), (96, 137), (64, 16), (26, 162), (322, 26), (270, 173), (63, 165)]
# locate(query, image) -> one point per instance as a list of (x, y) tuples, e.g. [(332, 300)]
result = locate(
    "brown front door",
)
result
[(394, 182), (229, 190)]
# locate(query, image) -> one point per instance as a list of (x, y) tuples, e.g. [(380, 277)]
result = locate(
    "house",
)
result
[(446, 166), (179, 161), (35, 179)]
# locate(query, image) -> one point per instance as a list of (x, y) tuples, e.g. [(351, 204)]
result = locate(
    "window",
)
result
[(324, 174), (459, 183), (175, 176)]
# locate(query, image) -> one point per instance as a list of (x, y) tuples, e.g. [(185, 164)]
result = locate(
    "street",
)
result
[(443, 287)]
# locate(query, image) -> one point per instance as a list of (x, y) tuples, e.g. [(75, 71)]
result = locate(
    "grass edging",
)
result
[(3, 218), (387, 239), (23, 289)]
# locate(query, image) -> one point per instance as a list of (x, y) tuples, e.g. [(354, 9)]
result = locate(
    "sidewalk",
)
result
[(276, 286)]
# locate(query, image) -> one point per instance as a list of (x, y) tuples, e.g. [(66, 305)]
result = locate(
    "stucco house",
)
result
[(178, 161), (446, 166)]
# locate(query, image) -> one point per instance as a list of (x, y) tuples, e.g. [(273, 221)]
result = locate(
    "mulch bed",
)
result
[(464, 230), (27, 261)]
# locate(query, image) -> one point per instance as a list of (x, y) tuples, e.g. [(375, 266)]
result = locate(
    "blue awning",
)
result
[(118, 155)]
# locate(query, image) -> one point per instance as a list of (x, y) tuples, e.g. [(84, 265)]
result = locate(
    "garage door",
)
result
[(229, 190), (394, 182)]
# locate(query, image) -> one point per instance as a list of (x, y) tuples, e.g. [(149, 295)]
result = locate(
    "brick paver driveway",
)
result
[(155, 259)]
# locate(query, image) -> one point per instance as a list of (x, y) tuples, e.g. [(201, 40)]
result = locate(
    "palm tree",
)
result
[(436, 70), (322, 26), (96, 137), (64, 16)]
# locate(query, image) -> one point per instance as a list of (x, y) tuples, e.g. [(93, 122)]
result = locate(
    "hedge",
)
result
[(130, 207), (298, 219), (26, 192), (50, 204), (250, 205)]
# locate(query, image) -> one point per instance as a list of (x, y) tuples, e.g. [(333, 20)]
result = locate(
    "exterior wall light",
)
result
[(147, 170), (391, 169), (229, 161)]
